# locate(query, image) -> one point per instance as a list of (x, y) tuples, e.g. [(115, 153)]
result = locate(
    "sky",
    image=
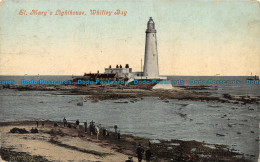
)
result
[(194, 37)]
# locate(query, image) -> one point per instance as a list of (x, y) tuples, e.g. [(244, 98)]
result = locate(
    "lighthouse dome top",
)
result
[(150, 26), (151, 21)]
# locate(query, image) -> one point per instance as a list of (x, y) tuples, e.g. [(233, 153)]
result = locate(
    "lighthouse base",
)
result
[(147, 77)]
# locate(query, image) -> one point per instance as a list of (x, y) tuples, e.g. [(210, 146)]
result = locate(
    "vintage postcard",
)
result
[(128, 80)]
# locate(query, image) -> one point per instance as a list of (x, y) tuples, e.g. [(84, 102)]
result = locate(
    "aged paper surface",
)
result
[(94, 79)]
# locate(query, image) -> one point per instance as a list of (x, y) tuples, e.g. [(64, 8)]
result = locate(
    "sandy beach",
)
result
[(78, 149), (72, 144)]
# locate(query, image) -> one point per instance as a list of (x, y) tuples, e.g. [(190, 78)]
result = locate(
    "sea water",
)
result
[(148, 117)]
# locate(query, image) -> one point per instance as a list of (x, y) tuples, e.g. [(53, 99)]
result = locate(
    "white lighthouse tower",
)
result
[(151, 70)]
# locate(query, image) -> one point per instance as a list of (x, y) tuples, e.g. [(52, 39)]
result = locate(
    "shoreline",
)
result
[(96, 93), (106, 148)]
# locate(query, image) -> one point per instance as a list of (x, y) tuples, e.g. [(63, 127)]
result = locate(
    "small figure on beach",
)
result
[(139, 152), (104, 132), (92, 127), (37, 123), (149, 143), (115, 127), (148, 155), (118, 135), (42, 124), (77, 123), (65, 122), (86, 126), (97, 131)]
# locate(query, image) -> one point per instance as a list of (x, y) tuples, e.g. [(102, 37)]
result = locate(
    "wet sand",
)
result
[(65, 144)]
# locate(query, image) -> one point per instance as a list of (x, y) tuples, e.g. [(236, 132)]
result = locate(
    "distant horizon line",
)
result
[(159, 75)]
